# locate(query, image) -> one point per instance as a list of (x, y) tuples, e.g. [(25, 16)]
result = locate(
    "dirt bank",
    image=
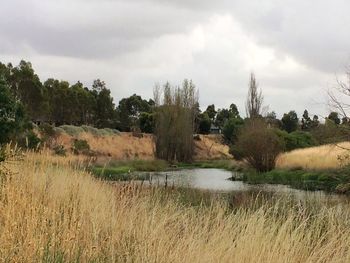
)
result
[(125, 146)]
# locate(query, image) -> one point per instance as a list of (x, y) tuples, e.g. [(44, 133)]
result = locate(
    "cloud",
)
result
[(294, 47)]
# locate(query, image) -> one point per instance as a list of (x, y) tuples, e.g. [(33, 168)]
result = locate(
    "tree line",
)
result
[(173, 115)]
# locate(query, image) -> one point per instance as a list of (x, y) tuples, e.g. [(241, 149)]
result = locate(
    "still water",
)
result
[(217, 180)]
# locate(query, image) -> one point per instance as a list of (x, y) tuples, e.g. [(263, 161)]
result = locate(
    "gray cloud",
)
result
[(295, 47)]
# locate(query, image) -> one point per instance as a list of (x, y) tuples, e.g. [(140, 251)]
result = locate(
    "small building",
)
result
[(214, 129)]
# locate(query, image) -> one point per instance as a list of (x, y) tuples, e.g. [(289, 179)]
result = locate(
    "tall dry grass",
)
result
[(52, 212), (316, 158)]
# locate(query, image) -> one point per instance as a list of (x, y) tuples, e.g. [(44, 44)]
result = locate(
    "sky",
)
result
[(296, 48)]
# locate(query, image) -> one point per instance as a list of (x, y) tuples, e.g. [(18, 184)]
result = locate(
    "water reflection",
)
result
[(217, 180)]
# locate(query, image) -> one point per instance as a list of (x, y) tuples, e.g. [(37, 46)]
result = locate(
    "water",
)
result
[(217, 180)]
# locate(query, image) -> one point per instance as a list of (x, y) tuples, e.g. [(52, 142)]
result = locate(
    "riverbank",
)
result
[(330, 180), (128, 170)]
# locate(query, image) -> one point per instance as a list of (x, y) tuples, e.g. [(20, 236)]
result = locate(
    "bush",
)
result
[(29, 141), (47, 132), (296, 140), (60, 150), (72, 130), (259, 145), (81, 147), (231, 129)]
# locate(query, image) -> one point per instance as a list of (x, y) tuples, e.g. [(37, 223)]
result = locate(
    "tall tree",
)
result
[(255, 99), (175, 121), (306, 121)]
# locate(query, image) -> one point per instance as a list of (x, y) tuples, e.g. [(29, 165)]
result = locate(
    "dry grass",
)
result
[(52, 212), (211, 147), (321, 157), (127, 147)]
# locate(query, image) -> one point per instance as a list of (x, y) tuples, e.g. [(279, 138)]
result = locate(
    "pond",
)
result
[(218, 180)]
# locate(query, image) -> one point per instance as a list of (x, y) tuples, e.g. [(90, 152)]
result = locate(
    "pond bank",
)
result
[(334, 181)]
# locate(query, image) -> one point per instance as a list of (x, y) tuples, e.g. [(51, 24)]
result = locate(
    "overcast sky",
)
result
[(295, 47)]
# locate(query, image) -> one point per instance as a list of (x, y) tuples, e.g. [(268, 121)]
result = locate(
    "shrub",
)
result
[(59, 150), (47, 132), (231, 129), (80, 147), (29, 140), (259, 145), (296, 140), (72, 130)]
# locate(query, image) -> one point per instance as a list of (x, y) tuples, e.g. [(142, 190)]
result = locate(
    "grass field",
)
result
[(51, 211), (316, 158)]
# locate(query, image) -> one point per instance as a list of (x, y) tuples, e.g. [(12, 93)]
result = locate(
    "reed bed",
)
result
[(52, 211)]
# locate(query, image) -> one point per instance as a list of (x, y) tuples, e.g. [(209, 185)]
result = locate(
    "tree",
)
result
[(255, 99), (306, 122), (130, 109), (12, 117), (146, 122), (105, 108), (232, 128), (333, 116), (211, 112), (272, 121), (223, 115), (290, 121), (175, 119), (204, 123), (258, 145)]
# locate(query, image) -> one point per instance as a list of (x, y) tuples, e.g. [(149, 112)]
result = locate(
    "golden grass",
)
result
[(52, 212), (127, 147), (321, 157)]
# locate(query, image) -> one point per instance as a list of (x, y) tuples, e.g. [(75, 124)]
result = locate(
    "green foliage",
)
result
[(223, 115), (334, 117), (290, 121), (296, 139), (80, 147), (12, 118), (299, 139), (124, 170), (133, 109), (146, 121), (204, 123), (30, 141), (231, 129), (331, 180), (211, 111)]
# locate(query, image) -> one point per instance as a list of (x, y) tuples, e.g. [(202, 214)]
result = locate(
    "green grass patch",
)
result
[(218, 164), (329, 180), (127, 170)]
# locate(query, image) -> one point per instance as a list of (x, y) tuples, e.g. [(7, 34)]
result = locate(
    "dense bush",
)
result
[(258, 145), (81, 147), (231, 129), (29, 140), (59, 150), (296, 139)]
